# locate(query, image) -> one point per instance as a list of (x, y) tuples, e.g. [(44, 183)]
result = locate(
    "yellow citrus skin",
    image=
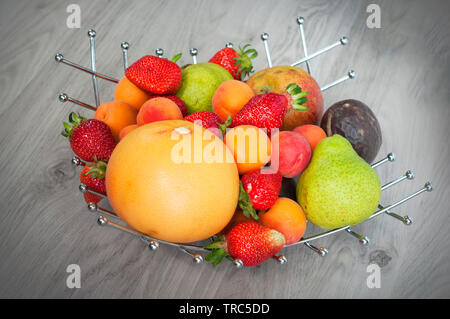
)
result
[(169, 199)]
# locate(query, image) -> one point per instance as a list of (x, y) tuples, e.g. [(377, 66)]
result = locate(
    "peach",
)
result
[(230, 97), (158, 109), (313, 134), (126, 130), (116, 115), (129, 93), (287, 217), (290, 153), (250, 146)]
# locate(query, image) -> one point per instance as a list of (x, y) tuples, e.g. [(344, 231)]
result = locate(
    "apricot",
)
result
[(313, 134), (116, 115), (290, 153), (126, 130), (250, 146), (159, 192), (237, 218), (230, 97), (129, 93), (287, 217), (158, 109)]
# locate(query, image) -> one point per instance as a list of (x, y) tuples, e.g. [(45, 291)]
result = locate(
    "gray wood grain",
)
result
[(403, 74)]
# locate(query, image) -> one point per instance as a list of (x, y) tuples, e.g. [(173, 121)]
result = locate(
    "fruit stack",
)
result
[(185, 154)]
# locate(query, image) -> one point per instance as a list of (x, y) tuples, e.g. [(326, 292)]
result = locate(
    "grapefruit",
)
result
[(173, 197)]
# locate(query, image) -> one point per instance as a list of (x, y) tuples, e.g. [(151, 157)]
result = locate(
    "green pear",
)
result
[(338, 188), (199, 82)]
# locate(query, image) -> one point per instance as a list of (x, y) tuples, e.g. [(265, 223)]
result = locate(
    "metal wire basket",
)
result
[(107, 217)]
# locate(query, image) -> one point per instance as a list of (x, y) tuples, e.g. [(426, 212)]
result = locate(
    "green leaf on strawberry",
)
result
[(245, 204), (298, 97)]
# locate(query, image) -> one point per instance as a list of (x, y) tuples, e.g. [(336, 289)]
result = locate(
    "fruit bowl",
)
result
[(196, 250)]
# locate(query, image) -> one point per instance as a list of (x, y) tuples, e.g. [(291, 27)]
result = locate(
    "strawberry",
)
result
[(89, 138), (250, 242), (155, 75), (179, 102), (259, 191), (93, 176), (239, 64), (267, 111), (209, 120)]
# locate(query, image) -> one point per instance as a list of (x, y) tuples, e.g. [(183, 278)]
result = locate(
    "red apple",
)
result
[(276, 80)]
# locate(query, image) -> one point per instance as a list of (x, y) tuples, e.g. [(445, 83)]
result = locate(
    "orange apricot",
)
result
[(129, 93), (126, 130), (158, 109), (237, 218), (250, 146), (287, 217), (313, 134), (230, 97), (116, 115)]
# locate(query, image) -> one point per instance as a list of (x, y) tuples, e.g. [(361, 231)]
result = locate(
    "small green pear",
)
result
[(338, 188), (199, 82)]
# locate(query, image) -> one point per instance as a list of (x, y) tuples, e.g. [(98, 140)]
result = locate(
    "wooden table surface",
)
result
[(402, 74)]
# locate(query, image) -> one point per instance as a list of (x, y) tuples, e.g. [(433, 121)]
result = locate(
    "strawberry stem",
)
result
[(218, 251), (176, 57), (74, 120), (98, 169), (298, 97), (223, 127), (245, 204), (244, 60)]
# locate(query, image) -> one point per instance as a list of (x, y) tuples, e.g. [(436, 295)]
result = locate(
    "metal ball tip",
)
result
[(193, 51), (264, 36), (344, 40), (351, 74), (92, 206), (228, 45), (91, 33), (391, 157), (407, 220), (300, 20), (322, 251), (159, 51), (364, 241), (102, 220), (409, 174), (428, 186), (125, 45), (282, 259), (197, 259), (82, 188), (238, 263), (153, 245), (59, 57), (76, 161), (63, 97)]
